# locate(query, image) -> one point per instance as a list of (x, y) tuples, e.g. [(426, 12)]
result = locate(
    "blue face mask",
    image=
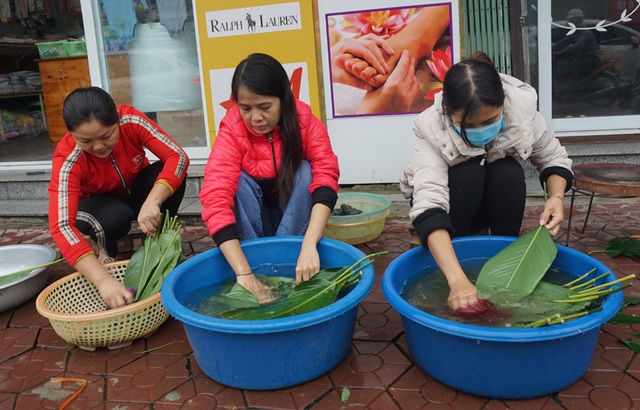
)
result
[(482, 136)]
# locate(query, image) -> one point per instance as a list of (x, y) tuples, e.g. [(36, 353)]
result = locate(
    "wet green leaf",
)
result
[(515, 271)]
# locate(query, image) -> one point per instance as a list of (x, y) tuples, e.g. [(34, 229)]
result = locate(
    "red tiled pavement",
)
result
[(160, 371)]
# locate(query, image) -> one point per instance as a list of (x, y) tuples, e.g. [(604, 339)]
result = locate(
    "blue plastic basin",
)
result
[(498, 362), (266, 354)]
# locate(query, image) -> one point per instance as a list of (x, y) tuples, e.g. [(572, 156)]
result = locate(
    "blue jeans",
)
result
[(255, 220)]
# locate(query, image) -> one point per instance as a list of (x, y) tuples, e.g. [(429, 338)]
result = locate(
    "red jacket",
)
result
[(237, 148), (76, 174)]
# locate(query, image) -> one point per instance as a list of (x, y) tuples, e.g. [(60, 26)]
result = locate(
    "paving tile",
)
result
[(147, 379), (377, 321), (296, 397), (26, 315), (52, 395), (30, 369), (610, 398), (170, 338), (7, 401), (161, 371), (5, 318), (356, 398), (48, 338), (201, 394), (370, 365), (416, 390), (103, 360), (15, 341)]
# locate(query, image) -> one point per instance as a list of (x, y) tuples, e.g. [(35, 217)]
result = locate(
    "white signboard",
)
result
[(370, 110)]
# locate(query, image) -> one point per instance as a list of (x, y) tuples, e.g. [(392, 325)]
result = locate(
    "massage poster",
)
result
[(383, 63), (229, 31)]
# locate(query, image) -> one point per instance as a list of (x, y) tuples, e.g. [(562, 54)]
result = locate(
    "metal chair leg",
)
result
[(588, 212), (573, 196)]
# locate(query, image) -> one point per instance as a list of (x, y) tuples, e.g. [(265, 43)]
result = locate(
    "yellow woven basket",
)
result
[(359, 228), (78, 315), (356, 232)]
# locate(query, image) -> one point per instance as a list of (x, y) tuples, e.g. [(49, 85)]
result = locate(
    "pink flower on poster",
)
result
[(384, 23), (439, 63)]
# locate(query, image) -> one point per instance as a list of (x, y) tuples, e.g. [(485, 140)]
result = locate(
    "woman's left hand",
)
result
[(149, 218), (553, 214), (308, 262)]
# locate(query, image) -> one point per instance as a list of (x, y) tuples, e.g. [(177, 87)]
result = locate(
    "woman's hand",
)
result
[(253, 285), (355, 61), (553, 214), (113, 293), (308, 262), (463, 293), (149, 217), (397, 93)]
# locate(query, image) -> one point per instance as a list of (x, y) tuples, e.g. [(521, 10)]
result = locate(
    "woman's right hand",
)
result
[(463, 293), (113, 293), (253, 285)]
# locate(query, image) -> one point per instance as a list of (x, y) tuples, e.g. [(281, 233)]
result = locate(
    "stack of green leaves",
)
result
[(152, 263), (235, 302), (512, 280)]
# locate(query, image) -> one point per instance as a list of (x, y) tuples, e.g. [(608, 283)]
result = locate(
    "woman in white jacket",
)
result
[(464, 176)]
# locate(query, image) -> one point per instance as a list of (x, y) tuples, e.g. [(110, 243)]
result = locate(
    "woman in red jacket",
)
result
[(271, 171), (101, 180)]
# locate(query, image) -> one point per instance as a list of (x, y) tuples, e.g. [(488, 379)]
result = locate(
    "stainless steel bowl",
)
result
[(14, 258)]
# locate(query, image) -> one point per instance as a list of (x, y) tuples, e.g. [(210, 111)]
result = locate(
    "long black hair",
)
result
[(470, 84), (87, 103), (264, 75)]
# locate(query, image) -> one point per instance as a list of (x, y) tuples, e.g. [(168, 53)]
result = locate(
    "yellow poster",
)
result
[(228, 31)]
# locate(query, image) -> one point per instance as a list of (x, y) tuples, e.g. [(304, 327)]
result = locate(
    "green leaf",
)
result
[(150, 264), (11, 277), (621, 319), (319, 291), (635, 346), (344, 396), (516, 270), (626, 246), (629, 301)]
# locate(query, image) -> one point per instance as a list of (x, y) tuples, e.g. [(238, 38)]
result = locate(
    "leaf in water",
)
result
[(621, 319), (519, 267), (346, 393), (306, 297)]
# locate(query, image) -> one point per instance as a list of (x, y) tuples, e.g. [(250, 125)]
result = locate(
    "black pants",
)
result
[(490, 196), (107, 218)]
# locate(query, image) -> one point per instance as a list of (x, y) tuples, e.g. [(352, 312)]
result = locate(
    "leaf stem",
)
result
[(590, 282), (568, 285), (608, 284)]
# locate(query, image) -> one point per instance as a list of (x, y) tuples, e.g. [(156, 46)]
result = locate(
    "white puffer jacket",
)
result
[(525, 135)]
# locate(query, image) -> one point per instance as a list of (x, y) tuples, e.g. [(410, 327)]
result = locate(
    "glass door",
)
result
[(147, 57), (588, 64)]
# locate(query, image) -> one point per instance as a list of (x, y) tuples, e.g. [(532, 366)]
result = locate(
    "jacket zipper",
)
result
[(484, 157), (115, 165), (273, 152)]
